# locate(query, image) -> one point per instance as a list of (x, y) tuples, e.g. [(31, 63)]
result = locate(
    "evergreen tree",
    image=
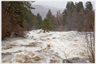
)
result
[(79, 6), (46, 26), (52, 18), (89, 5), (49, 14), (39, 18), (53, 21), (70, 7), (30, 21), (64, 15)]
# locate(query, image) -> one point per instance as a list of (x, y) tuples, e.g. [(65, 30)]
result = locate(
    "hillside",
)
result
[(44, 9)]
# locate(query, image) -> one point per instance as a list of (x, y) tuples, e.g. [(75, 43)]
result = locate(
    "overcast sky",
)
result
[(58, 4)]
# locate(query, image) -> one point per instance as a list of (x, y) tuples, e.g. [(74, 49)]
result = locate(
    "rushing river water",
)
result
[(39, 47)]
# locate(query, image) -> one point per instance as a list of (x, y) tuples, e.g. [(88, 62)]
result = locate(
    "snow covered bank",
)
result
[(39, 47)]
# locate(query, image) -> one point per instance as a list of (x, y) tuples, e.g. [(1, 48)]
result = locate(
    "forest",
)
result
[(19, 18)]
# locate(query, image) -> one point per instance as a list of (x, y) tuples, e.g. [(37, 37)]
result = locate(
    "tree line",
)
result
[(74, 17), (17, 17), (77, 17)]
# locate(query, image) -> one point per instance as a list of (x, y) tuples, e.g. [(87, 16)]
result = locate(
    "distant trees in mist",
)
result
[(76, 17)]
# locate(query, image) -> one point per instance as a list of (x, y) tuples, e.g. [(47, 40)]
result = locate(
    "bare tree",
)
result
[(66, 55), (59, 18)]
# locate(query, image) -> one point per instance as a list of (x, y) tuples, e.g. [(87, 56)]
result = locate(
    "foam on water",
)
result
[(47, 46)]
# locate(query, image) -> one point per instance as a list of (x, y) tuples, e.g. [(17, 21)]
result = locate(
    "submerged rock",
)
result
[(74, 60), (53, 61)]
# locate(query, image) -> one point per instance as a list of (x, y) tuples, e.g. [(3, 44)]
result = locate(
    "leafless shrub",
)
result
[(66, 55), (90, 40)]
